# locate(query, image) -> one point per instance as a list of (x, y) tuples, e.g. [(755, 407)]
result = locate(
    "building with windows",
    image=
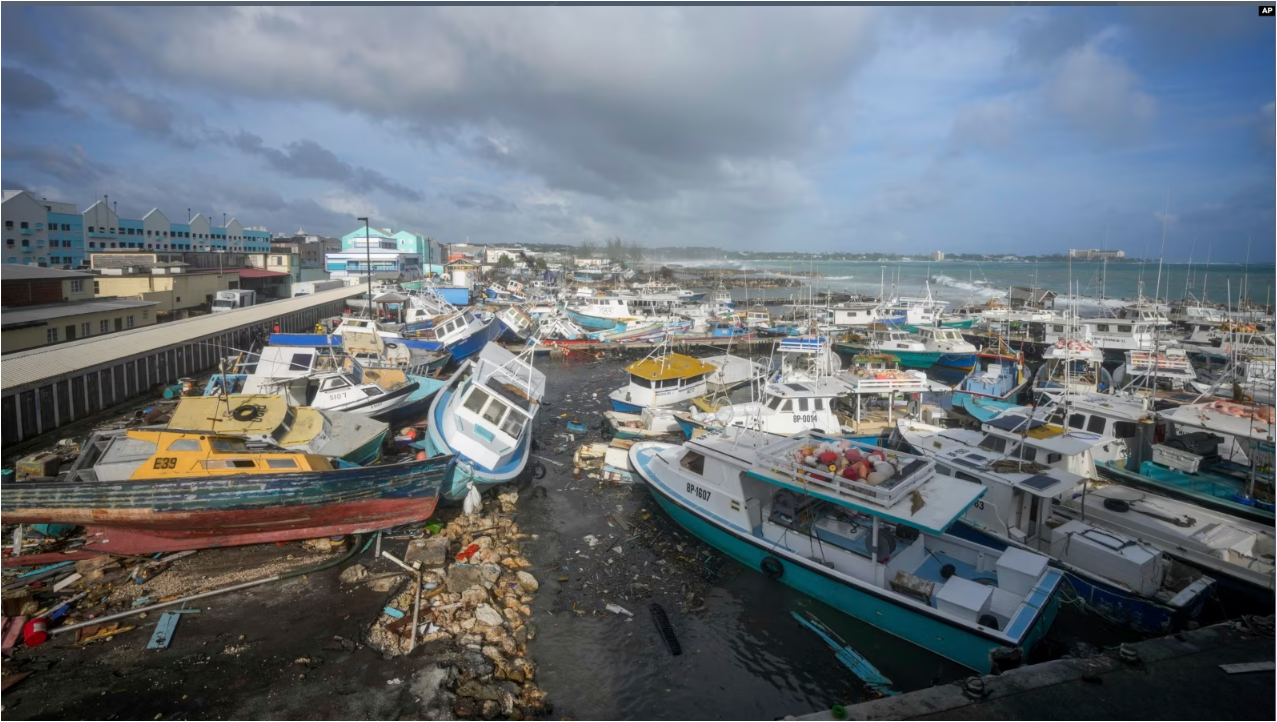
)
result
[(392, 253), (1092, 254), (48, 233), (937, 255), (45, 306)]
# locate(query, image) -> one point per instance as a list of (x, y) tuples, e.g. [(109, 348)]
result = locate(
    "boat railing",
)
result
[(868, 384)]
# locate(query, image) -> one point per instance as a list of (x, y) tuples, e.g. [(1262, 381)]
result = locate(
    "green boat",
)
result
[(904, 347)]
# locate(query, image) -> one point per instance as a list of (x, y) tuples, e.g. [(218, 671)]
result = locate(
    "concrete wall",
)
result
[(173, 293), (21, 339)]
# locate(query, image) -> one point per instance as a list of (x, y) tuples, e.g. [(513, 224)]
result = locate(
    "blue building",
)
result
[(394, 252), (54, 234)]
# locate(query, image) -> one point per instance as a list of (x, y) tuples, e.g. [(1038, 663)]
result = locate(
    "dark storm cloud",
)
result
[(480, 201), (22, 92), (66, 164), (308, 159)]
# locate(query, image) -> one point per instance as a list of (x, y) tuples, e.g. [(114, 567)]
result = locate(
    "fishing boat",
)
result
[(806, 357), (141, 491), (460, 332), (514, 324), (757, 318), (1166, 369), (373, 349), (731, 372), (1071, 366), (916, 311), (484, 416), (875, 384), (653, 422), (785, 409), (1228, 340), (955, 352), (909, 349), (662, 378), (1127, 581), (875, 546), (601, 312), (1217, 453), (270, 420), (995, 384), (851, 314)]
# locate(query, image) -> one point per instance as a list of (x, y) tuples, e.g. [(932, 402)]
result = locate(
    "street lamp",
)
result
[(368, 261)]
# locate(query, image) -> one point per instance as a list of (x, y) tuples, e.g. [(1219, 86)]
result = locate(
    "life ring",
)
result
[(538, 471), (391, 345), (772, 567), (247, 412)]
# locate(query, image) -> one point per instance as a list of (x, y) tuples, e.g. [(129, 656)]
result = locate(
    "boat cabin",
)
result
[(662, 380), (146, 454), (495, 408)]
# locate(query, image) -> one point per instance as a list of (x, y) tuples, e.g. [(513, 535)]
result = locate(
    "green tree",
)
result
[(635, 252), (616, 250), (586, 249)]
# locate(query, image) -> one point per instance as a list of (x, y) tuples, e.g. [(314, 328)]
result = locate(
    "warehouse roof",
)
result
[(20, 272), (24, 316), (34, 365)]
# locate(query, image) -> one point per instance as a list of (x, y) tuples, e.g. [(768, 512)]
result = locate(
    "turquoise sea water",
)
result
[(969, 282)]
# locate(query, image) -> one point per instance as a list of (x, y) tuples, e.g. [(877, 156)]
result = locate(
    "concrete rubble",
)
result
[(474, 622)]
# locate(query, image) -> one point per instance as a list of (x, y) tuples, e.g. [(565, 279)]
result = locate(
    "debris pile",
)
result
[(474, 613)]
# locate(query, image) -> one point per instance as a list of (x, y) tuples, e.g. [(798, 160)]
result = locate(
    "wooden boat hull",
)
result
[(143, 516)]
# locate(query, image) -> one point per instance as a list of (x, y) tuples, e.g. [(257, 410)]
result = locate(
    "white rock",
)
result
[(527, 581), (485, 614)]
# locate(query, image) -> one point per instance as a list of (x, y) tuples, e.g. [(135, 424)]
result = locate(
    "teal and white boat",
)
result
[(484, 416), (876, 548), (907, 348)]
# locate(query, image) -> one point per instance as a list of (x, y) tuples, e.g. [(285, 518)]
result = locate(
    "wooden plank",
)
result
[(1247, 667), (163, 633)]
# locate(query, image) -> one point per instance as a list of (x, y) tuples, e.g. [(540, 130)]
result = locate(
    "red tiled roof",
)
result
[(259, 273)]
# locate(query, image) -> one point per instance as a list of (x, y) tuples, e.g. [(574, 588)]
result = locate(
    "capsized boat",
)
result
[(662, 378), (1127, 581), (270, 420), (654, 421), (484, 415), (460, 332), (340, 384), (514, 324), (141, 491), (731, 372), (875, 546), (995, 384)]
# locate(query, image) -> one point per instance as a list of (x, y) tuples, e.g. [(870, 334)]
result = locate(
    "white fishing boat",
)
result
[(662, 378), (1169, 369), (875, 547), (1128, 581), (484, 415), (785, 409), (1071, 365), (652, 422)]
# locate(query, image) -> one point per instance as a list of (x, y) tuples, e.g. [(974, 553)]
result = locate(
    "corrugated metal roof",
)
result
[(18, 315), (25, 367), (20, 272)]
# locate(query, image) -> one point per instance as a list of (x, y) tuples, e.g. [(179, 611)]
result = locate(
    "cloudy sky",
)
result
[(909, 129)]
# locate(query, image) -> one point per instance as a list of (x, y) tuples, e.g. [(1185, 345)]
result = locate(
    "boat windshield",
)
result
[(228, 446)]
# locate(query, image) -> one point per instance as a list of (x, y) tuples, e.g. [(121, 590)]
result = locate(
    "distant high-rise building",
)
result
[(937, 255), (1092, 254)]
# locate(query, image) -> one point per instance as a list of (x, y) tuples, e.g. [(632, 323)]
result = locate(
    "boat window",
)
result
[(774, 403), (802, 404), (476, 400), (1029, 453), (300, 362), (1096, 424), (640, 381), (373, 391), (185, 445), (495, 412), (227, 446), (1101, 327), (943, 470), (693, 462), (818, 404), (789, 406), (1052, 458), (281, 463), (993, 443), (1077, 421), (513, 426), (334, 384), (230, 464), (966, 477), (1059, 328), (1124, 329), (1124, 429)]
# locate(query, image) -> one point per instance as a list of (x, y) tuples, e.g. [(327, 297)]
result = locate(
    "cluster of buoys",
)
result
[(1073, 344), (1241, 411), (840, 458), (1238, 327)]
